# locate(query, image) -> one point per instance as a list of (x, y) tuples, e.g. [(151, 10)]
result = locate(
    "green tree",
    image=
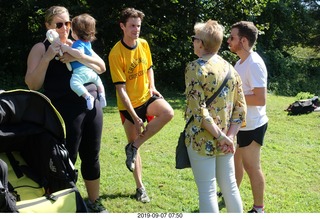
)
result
[(168, 26)]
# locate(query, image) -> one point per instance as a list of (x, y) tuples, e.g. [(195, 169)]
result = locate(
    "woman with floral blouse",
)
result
[(210, 137)]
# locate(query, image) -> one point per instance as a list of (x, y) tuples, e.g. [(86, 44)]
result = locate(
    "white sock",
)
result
[(102, 99), (90, 102)]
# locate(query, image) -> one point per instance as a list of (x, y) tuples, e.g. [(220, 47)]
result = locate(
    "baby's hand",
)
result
[(69, 42), (64, 48)]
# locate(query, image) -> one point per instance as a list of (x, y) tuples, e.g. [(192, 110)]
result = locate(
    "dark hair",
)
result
[(130, 12), (248, 30), (84, 26)]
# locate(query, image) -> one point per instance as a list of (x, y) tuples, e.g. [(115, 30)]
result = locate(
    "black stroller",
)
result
[(41, 177)]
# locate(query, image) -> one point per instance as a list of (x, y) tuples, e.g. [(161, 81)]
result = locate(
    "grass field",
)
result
[(290, 161)]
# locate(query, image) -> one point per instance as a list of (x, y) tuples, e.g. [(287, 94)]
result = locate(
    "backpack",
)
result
[(49, 163), (303, 106)]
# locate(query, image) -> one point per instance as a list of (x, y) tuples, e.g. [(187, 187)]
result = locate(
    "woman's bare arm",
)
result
[(37, 64)]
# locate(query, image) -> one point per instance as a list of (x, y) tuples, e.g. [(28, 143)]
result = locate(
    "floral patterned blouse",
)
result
[(202, 78)]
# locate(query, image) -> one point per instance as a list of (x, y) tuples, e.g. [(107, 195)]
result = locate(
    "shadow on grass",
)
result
[(118, 195), (131, 196)]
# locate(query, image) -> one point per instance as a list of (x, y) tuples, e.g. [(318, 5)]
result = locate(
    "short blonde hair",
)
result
[(211, 34), (53, 11)]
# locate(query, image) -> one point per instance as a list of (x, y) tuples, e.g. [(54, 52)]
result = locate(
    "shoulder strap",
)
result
[(220, 88), (215, 94), (15, 165)]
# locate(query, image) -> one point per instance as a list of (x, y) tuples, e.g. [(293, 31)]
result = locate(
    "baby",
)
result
[(83, 31)]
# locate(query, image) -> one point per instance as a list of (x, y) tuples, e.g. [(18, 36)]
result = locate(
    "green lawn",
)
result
[(290, 161)]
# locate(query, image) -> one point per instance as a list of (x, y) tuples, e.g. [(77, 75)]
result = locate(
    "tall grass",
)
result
[(290, 161)]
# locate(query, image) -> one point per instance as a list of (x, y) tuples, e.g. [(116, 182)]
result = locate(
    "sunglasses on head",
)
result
[(60, 24)]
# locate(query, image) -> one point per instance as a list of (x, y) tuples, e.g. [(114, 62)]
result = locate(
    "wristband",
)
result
[(221, 136)]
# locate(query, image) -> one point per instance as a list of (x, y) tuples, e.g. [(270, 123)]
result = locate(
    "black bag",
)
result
[(49, 163), (182, 157), (303, 106)]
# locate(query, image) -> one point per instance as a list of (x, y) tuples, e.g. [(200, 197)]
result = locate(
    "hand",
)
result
[(64, 48), (66, 57), (69, 42), (52, 51), (154, 91), (140, 127), (226, 149), (226, 145)]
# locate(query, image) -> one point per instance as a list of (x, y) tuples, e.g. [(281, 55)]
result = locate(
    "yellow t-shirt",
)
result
[(130, 66)]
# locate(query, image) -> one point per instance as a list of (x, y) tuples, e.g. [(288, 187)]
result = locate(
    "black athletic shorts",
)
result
[(244, 138), (140, 110)]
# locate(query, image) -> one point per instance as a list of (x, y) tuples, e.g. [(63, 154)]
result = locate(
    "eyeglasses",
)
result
[(60, 24), (193, 38)]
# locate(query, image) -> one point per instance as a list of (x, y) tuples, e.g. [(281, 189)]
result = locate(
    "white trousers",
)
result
[(208, 171)]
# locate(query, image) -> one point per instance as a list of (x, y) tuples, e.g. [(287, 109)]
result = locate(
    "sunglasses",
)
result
[(193, 38), (60, 24), (232, 38)]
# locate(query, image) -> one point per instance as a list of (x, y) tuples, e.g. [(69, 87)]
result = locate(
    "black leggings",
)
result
[(83, 134)]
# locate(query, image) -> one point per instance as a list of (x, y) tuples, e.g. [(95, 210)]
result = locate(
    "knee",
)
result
[(253, 170), (168, 115), (73, 86)]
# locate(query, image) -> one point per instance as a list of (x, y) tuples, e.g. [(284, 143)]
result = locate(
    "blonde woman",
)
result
[(211, 134), (47, 70)]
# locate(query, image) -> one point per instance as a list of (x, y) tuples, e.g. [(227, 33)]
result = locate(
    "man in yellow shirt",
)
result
[(137, 97)]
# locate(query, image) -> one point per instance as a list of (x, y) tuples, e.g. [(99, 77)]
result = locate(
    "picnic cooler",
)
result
[(41, 175)]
